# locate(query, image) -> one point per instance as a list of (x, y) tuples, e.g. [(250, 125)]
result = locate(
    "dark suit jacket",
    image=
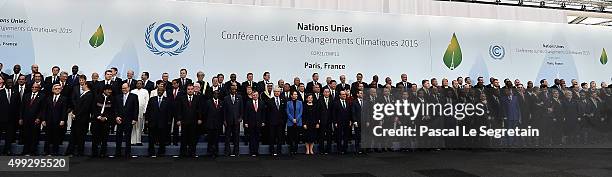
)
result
[(109, 109), (188, 113), (205, 89), (254, 85), (356, 110), (132, 83), (159, 115), (182, 86), (30, 79), (32, 109), (127, 111), (261, 85), (233, 111), (9, 107), (310, 86), (54, 113), (325, 111), (255, 118), (276, 115), (83, 107), (340, 87), (4, 76), (213, 115), (73, 79), (149, 86), (342, 116)]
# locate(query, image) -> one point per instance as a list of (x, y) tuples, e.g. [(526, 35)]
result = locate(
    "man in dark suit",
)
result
[(116, 78), (342, 122), (404, 84), (189, 117), (103, 113), (276, 115), (16, 73), (325, 122), (213, 113), (356, 119), (108, 80), (2, 73), (82, 115), (126, 112), (255, 116), (342, 85), (233, 80), (183, 81), (38, 79), (73, 79), (355, 84), (130, 80), (296, 84), (251, 83), (30, 77), (233, 110), (30, 119), (53, 78), (148, 84), (311, 84), (54, 119), (158, 117), (174, 94), (9, 106), (261, 85)]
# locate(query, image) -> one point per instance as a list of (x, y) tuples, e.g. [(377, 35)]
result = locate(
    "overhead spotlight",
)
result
[(542, 3)]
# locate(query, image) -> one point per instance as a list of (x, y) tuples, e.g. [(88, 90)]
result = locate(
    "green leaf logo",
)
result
[(452, 56), (604, 57), (97, 38)]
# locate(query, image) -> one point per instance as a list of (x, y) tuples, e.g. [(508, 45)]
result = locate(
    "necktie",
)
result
[(54, 100), (125, 96), (129, 82), (20, 92), (277, 103), (183, 81), (360, 102), (189, 101), (255, 105), (159, 102), (326, 103), (174, 94), (8, 94), (343, 105), (217, 104), (32, 99), (233, 99)]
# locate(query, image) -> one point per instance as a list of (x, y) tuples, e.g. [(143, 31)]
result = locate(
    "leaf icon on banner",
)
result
[(452, 56), (604, 57), (97, 38)]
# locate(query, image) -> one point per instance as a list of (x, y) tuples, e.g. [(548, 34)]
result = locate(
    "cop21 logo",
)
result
[(497, 52), (163, 43)]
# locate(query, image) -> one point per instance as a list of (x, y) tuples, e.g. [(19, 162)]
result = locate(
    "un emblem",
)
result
[(163, 43), (497, 52)]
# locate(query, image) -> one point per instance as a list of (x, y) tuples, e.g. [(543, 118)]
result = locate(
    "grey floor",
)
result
[(511, 163)]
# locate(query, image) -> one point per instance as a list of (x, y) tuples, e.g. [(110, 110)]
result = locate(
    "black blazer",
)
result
[(9, 106), (54, 113), (310, 86), (325, 111), (159, 115), (340, 87), (213, 115), (342, 116), (356, 110), (109, 109), (149, 86), (129, 111), (188, 113), (182, 86), (255, 118), (84, 106), (276, 116), (233, 111), (132, 83), (32, 109)]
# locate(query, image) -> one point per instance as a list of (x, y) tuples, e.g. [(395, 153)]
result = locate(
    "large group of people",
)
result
[(182, 110)]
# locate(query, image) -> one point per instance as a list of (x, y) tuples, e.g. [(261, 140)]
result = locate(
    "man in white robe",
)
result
[(143, 99)]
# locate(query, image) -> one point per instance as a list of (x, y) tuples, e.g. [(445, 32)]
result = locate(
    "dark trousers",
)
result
[(7, 131), (325, 139), (213, 141), (77, 133), (30, 138), (276, 138), (343, 132), (357, 138), (232, 134), (189, 140), (157, 135), (124, 130), (99, 132), (293, 139), (55, 136), (254, 138), (175, 133)]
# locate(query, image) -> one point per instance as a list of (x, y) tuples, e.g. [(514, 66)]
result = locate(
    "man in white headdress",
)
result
[(143, 99)]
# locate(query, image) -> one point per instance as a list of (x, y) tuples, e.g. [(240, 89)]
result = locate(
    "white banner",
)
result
[(162, 36)]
